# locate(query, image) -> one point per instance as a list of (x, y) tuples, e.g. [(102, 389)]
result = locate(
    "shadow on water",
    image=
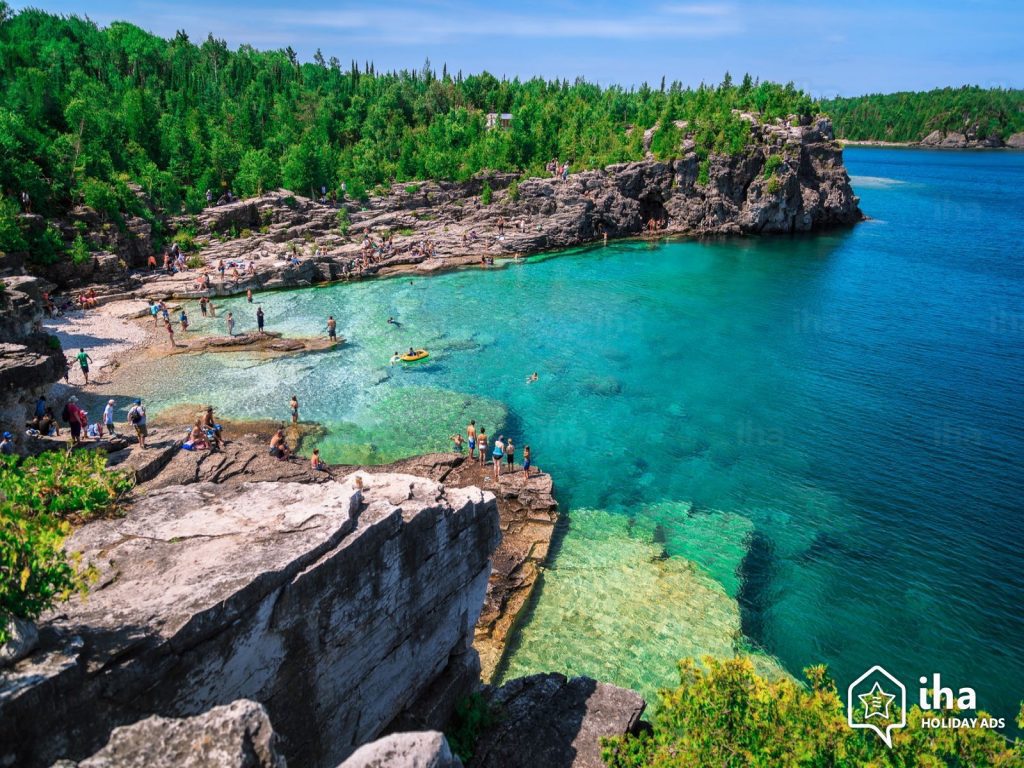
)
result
[(515, 636), (754, 596)]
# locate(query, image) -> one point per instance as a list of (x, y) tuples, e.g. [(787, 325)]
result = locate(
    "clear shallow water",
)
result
[(829, 429)]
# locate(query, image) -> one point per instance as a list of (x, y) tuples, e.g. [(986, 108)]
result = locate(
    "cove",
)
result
[(810, 446)]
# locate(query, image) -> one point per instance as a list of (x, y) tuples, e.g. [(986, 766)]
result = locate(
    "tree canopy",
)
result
[(910, 116), (87, 110)]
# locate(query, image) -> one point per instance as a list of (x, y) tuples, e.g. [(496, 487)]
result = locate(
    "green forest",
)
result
[(87, 110), (909, 116)]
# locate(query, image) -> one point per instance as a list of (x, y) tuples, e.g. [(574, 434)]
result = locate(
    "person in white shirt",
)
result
[(108, 417)]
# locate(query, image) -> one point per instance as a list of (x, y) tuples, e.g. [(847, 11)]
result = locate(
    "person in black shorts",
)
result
[(332, 329)]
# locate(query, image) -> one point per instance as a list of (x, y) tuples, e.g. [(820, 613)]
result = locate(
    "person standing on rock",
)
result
[(497, 455), (137, 418), (170, 332), (332, 328), (259, 319), (526, 460), (510, 455), (154, 310), (231, 324), (183, 318), (84, 360), (294, 405), (481, 444), (203, 301), (7, 444), (76, 419), (471, 436), (108, 418)]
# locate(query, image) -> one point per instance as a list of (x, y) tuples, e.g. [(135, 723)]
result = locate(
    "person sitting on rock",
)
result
[(278, 447)]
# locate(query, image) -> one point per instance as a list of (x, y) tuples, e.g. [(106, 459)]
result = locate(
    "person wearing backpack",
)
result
[(137, 418)]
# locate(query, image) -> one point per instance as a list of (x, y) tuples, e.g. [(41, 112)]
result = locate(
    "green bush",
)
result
[(186, 239), (80, 251), (344, 222), (486, 194), (513, 191), (412, 189), (39, 497), (774, 185), (195, 261), (405, 231), (704, 171), (724, 715), (771, 165), (472, 716)]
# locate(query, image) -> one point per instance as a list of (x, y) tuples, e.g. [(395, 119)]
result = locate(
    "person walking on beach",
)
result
[(481, 444), (510, 455), (84, 360), (332, 328), (231, 324), (471, 435), (108, 417), (137, 418), (259, 319), (526, 460), (497, 455), (295, 409)]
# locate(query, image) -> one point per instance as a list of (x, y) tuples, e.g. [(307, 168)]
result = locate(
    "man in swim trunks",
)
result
[(332, 326), (84, 360), (471, 435)]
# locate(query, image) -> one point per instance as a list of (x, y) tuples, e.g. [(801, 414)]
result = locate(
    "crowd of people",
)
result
[(81, 428), (501, 451)]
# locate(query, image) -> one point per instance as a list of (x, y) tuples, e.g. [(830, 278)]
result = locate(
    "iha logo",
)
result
[(877, 701)]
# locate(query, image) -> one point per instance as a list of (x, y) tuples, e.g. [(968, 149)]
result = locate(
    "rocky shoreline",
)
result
[(946, 140)]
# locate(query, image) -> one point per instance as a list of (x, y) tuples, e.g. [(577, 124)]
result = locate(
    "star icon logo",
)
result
[(876, 702)]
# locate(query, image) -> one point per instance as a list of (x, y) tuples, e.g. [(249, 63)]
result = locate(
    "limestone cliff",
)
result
[(334, 607)]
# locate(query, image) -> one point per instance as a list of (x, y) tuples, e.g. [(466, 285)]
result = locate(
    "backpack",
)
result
[(134, 416)]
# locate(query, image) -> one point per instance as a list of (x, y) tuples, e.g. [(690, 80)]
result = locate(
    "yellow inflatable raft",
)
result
[(419, 354)]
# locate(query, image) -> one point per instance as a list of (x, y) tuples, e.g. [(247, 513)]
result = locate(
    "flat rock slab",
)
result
[(551, 721)]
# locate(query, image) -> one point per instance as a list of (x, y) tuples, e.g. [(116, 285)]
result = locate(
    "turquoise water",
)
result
[(826, 431)]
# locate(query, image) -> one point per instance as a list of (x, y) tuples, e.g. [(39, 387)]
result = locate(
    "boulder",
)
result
[(335, 606), (933, 139), (1016, 140), (22, 639), (235, 735), (954, 140), (423, 749), (548, 720)]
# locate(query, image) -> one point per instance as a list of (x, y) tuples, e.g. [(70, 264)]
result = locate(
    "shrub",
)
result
[(39, 497), (486, 194), (79, 251), (472, 716), (704, 171), (513, 191), (771, 165), (11, 237), (186, 239), (412, 189), (726, 715), (774, 185), (195, 261), (290, 201), (406, 231), (344, 222)]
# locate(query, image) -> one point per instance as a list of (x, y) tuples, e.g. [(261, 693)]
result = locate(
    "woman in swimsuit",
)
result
[(481, 442), (497, 454)]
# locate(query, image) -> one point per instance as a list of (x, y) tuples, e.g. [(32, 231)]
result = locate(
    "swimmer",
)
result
[(532, 378), (395, 358)]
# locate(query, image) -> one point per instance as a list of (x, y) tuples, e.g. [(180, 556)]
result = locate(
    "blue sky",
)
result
[(826, 47)]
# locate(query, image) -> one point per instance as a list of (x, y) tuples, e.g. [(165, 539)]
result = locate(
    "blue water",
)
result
[(851, 402)]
